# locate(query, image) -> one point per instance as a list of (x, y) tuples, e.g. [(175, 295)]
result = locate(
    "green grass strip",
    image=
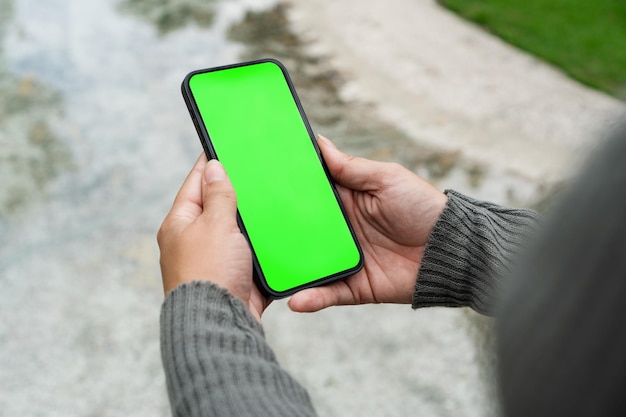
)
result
[(585, 38)]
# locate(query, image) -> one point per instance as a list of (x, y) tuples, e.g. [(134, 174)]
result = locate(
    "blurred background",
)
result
[(95, 141)]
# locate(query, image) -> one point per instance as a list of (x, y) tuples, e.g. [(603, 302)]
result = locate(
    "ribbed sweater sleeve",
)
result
[(469, 253), (217, 362)]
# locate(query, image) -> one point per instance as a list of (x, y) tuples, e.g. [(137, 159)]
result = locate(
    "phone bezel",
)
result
[(209, 150)]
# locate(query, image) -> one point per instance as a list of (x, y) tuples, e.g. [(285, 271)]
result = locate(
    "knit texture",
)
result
[(217, 362), (469, 253), (560, 331)]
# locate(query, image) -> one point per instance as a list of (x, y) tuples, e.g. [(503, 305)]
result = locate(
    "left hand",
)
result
[(393, 212), (201, 241)]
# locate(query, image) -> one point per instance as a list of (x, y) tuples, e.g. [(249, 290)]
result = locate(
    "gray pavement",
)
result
[(94, 143)]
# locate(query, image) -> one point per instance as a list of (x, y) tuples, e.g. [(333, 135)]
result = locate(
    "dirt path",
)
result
[(449, 84)]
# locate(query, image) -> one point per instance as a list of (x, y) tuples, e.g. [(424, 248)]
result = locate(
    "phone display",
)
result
[(249, 117)]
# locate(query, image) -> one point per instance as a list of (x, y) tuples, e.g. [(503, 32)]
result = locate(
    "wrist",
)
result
[(469, 253)]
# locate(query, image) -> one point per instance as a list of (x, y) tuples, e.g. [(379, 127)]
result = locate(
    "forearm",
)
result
[(217, 361), (469, 253)]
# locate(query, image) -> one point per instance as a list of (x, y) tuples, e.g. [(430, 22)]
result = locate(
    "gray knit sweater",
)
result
[(561, 319), (217, 361)]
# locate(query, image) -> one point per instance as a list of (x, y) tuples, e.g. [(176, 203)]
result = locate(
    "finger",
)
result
[(316, 299), (351, 171), (188, 202), (218, 196)]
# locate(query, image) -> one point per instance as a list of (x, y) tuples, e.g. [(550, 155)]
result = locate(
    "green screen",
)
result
[(289, 210)]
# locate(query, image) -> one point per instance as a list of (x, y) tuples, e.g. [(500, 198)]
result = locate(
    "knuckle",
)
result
[(221, 192), (395, 168), (392, 172), (163, 232)]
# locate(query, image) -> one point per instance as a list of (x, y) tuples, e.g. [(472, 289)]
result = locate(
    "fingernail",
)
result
[(214, 171), (326, 141)]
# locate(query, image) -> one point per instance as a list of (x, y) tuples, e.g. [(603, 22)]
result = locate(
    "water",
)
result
[(95, 141)]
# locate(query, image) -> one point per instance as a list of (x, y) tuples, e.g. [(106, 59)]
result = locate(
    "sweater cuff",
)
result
[(216, 359), (204, 303), (469, 253)]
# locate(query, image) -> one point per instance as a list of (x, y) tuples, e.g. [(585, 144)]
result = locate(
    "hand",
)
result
[(200, 239), (393, 212)]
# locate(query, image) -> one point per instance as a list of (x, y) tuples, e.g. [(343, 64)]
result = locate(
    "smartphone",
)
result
[(249, 117)]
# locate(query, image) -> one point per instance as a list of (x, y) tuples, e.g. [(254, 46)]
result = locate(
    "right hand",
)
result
[(393, 212)]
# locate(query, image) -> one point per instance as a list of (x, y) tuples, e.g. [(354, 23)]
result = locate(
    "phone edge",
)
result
[(205, 141)]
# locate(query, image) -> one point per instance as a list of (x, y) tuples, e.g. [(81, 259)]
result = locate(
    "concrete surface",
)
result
[(95, 141)]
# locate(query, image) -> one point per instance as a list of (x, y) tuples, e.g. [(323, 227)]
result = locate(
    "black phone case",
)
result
[(211, 154)]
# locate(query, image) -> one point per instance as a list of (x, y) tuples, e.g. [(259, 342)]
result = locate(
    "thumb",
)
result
[(351, 171), (318, 298), (218, 196)]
